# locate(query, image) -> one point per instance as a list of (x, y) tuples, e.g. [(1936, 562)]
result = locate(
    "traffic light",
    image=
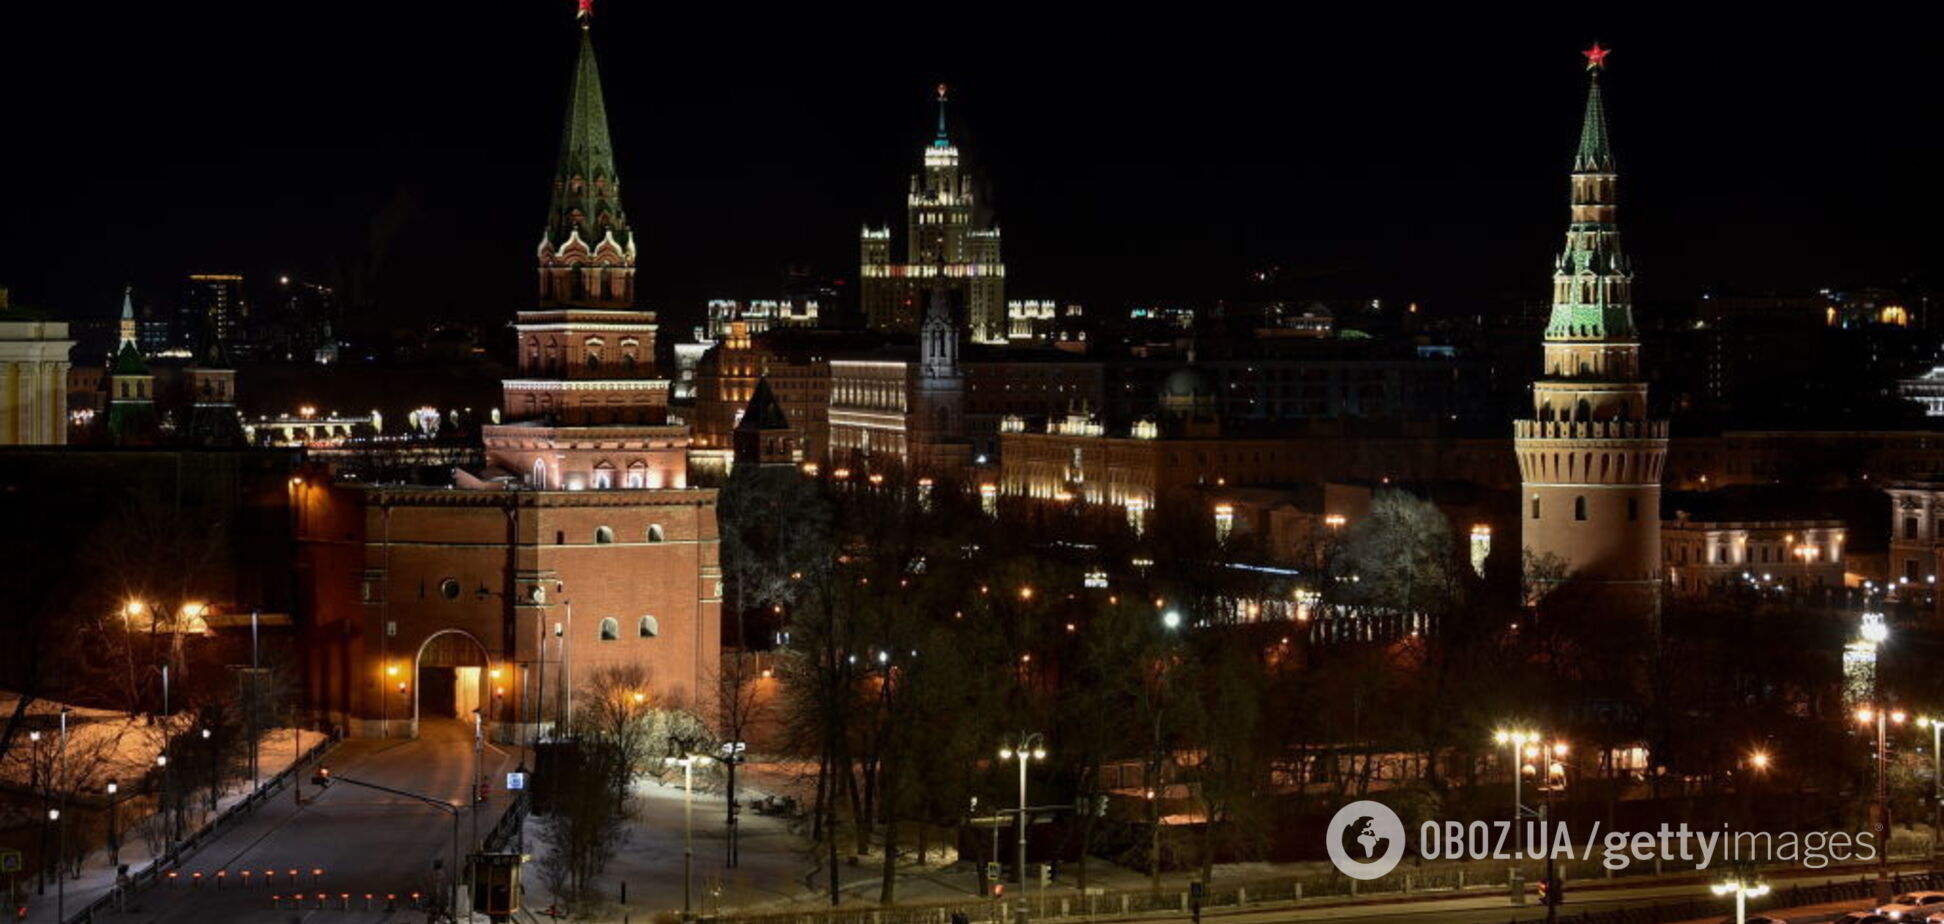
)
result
[(1545, 892), (1046, 874), (992, 872)]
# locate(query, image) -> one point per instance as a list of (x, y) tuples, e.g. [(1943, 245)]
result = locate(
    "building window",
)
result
[(1910, 527), (649, 627), (637, 475), (540, 473), (1633, 508), (1579, 508), (603, 535), (610, 629), (1535, 506), (655, 533), (449, 588), (603, 476)]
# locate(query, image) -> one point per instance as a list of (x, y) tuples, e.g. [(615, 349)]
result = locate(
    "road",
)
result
[(365, 842)]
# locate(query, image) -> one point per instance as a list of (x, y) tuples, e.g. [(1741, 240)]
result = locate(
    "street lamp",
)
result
[(1027, 746), (1522, 743), (1171, 619), (687, 762), (1743, 891), (1883, 719), (1936, 727), (60, 867), (114, 831)]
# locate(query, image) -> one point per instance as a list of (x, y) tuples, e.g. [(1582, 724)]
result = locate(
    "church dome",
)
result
[(1188, 382)]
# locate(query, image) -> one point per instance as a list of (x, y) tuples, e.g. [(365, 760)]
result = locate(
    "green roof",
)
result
[(129, 361), (1595, 155), (586, 182)]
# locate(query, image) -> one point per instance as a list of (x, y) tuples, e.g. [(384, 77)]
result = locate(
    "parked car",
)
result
[(1912, 905), (1862, 917)]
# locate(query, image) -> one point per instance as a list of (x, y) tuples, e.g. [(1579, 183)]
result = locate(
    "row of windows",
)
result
[(604, 535), (648, 627), (1580, 510)]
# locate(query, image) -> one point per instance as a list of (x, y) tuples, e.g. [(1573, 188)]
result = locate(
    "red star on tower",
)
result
[(1596, 57)]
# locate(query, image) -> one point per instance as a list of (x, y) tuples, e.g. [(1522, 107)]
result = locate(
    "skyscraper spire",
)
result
[(942, 141)]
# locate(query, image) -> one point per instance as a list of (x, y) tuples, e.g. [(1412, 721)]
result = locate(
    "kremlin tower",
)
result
[(1590, 458)]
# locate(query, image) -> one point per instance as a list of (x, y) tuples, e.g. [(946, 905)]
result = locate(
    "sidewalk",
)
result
[(98, 878)]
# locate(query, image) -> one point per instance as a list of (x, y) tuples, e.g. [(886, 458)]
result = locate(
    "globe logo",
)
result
[(1365, 840)]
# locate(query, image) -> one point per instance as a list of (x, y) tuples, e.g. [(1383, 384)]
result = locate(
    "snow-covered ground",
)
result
[(126, 750)]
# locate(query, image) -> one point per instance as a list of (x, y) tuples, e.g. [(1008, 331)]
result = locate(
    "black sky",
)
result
[(1132, 155)]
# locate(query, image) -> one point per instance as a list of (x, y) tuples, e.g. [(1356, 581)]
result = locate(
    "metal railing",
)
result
[(151, 874)]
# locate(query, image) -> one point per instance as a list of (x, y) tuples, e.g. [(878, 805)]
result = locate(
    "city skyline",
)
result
[(1304, 159)]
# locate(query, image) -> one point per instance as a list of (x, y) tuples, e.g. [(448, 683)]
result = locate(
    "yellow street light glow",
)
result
[(1759, 760), (1866, 714)]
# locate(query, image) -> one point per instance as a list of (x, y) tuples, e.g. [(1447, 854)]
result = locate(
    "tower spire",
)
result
[(942, 141), (586, 222), (1594, 155)]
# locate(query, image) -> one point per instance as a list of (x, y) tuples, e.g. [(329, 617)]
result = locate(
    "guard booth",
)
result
[(496, 885)]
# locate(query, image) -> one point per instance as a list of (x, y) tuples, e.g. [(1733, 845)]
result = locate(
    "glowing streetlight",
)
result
[(1743, 891), (1028, 745)]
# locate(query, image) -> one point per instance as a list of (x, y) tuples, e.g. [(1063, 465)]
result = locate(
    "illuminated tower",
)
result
[(587, 409), (1590, 457), (948, 238), (587, 354)]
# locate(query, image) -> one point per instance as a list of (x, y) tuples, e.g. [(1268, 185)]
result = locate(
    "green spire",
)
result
[(587, 190), (942, 141), (129, 361), (1594, 156), (128, 357)]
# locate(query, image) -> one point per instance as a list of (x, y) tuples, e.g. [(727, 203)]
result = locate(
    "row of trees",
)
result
[(916, 634)]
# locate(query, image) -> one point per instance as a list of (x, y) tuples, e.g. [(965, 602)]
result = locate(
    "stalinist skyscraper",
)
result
[(1590, 457)]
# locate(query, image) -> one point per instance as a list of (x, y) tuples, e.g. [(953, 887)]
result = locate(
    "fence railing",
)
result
[(511, 823), (1066, 905), (150, 874)]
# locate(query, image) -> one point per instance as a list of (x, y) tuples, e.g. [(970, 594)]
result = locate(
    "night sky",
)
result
[(404, 150)]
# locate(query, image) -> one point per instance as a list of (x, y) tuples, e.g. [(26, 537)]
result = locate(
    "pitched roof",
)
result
[(1595, 155), (763, 411), (587, 191)]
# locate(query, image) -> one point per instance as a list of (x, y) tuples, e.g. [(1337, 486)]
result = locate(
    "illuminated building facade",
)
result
[(1704, 557), (1590, 457), (1916, 531), (949, 239), (33, 378), (901, 408)]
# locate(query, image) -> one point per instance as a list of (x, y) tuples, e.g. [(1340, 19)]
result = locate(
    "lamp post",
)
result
[(60, 880), (114, 828), (162, 761), (1936, 727), (1517, 740), (34, 785), (687, 762), (1883, 718), (1743, 891), (1027, 746), (215, 769)]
